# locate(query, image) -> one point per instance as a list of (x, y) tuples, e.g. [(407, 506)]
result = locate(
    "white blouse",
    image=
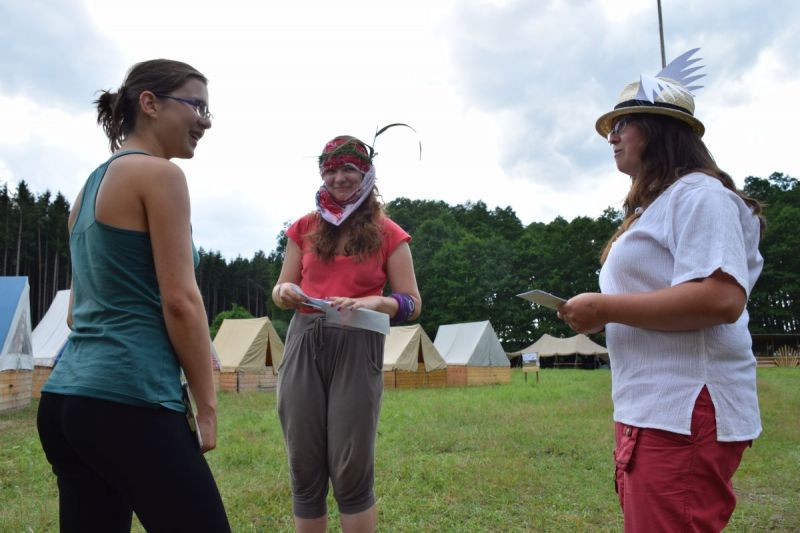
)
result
[(692, 229)]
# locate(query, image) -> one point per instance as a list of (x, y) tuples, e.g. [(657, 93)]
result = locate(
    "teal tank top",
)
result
[(119, 349)]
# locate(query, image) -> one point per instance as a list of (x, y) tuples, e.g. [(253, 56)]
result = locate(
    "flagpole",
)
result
[(661, 35)]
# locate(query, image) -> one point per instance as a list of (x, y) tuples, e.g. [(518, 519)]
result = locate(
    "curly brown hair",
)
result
[(362, 231), (672, 150)]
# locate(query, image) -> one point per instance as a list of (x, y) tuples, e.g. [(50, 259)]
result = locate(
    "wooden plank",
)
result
[(16, 387), (765, 361), (388, 379), (227, 381), (40, 375), (456, 376), (247, 382)]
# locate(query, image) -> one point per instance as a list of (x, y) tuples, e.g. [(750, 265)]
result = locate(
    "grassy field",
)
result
[(518, 457)]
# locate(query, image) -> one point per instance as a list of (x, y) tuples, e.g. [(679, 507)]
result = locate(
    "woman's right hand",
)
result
[(207, 426), (583, 313), (288, 296)]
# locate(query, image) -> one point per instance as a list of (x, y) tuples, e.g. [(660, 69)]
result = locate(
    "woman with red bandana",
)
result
[(331, 382)]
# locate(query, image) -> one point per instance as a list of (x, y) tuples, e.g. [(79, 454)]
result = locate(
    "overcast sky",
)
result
[(503, 94)]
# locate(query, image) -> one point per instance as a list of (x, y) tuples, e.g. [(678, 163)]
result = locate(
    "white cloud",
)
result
[(52, 52), (503, 94)]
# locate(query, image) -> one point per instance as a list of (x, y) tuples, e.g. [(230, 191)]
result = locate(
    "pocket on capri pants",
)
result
[(623, 453)]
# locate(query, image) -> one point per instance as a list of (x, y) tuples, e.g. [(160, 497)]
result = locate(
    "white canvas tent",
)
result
[(250, 353), (49, 339), (405, 345), (473, 354), (549, 346), (411, 361), (51, 333), (16, 352), (471, 344)]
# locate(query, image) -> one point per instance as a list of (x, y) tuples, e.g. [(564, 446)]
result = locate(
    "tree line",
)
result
[(470, 261), (34, 243)]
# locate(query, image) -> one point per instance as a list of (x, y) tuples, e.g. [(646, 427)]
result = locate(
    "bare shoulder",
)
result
[(150, 172), (149, 165)]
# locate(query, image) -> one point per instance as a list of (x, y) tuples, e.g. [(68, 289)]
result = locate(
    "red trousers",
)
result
[(671, 482)]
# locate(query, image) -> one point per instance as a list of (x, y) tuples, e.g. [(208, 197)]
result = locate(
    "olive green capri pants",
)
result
[(330, 388)]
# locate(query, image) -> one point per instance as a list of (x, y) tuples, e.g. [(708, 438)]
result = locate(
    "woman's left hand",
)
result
[(583, 313), (343, 303)]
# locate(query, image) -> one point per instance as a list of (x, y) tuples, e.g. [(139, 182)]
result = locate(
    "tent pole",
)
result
[(661, 35)]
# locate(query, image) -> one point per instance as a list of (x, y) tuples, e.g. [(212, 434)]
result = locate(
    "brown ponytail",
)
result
[(117, 111)]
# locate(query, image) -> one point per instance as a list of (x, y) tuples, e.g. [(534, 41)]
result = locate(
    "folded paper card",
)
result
[(543, 298)]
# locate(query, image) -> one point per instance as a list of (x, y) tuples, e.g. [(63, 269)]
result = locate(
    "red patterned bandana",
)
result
[(345, 151)]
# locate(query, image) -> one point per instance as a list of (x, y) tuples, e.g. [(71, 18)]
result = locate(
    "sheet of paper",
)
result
[(191, 414), (354, 318), (542, 298)]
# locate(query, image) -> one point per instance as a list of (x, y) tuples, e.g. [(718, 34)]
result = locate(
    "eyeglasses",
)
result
[(200, 107), (619, 127)]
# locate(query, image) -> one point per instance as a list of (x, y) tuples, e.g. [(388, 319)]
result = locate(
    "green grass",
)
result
[(518, 457)]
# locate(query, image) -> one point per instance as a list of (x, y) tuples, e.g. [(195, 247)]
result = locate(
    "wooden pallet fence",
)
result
[(40, 375), (15, 389), (248, 382), (403, 379), (459, 375)]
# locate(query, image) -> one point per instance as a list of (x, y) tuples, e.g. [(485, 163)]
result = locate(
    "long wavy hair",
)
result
[(362, 231), (672, 150), (117, 111)]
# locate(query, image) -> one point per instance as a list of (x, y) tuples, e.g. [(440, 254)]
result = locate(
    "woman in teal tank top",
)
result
[(112, 420)]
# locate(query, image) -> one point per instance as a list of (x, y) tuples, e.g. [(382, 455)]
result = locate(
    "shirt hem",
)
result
[(720, 438), (88, 392)]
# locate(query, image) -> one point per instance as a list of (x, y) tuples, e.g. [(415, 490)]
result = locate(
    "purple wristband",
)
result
[(405, 307)]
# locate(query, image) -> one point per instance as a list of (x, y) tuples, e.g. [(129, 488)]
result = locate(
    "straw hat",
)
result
[(667, 93)]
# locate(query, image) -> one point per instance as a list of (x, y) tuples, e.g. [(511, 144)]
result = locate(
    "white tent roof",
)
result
[(403, 346), (549, 346), (52, 332), (16, 351), (244, 343), (470, 344)]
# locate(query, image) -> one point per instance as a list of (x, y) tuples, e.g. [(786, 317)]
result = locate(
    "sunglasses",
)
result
[(619, 127)]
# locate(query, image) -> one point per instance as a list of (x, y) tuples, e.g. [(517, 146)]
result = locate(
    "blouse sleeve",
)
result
[(704, 234), (299, 229), (393, 236)]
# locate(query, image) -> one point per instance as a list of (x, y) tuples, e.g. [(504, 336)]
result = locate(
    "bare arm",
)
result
[(283, 294), (165, 197), (697, 304)]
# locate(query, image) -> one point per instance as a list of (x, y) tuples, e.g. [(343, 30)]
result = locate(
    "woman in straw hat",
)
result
[(331, 381), (675, 280), (112, 418)]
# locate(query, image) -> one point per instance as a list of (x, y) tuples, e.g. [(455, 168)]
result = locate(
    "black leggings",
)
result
[(111, 459)]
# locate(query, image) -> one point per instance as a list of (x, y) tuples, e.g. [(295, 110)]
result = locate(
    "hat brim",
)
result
[(606, 122)]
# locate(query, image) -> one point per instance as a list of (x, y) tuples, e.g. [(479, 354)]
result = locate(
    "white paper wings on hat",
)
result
[(680, 70)]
